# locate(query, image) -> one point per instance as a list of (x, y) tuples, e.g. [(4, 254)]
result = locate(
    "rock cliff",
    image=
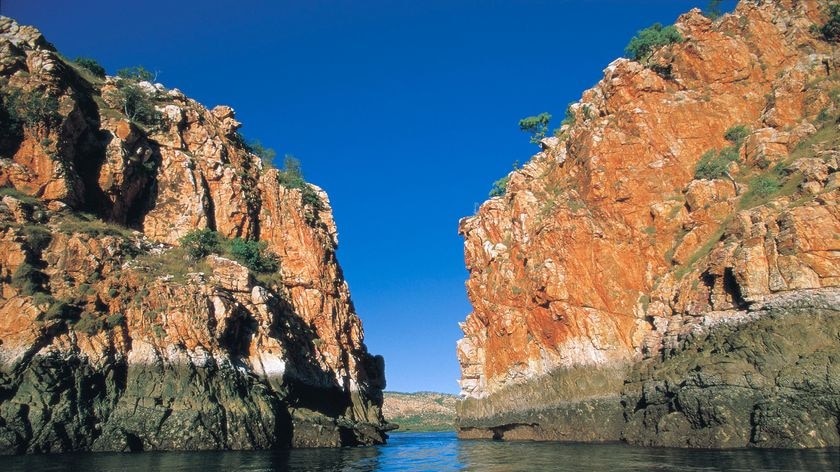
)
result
[(111, 338), (666, 271)]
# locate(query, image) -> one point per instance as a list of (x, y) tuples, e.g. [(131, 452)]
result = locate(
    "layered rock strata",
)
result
[(112, 339), (666, 271)]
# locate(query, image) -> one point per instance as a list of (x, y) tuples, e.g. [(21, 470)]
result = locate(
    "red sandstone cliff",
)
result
[(607, 253), (109, 337)]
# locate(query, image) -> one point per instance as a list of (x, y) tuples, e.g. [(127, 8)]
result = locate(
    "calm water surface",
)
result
[(442, 452)]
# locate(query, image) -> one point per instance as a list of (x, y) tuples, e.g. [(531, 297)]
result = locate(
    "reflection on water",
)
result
[(442, 452)]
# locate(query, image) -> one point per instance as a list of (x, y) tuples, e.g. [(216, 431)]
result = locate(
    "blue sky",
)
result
[(404, 111)]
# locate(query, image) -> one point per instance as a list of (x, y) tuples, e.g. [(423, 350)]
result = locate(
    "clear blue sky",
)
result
[(404, 111)]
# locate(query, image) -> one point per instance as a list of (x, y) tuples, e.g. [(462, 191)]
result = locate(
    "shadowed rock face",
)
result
[(608, 278), (110, 339)]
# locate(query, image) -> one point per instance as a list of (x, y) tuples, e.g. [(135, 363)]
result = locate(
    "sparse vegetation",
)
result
[(650, 39), (830, 31), (499, 187), (736, 135), (265, 154), (254, 255), (34, 110), (17, 194), (136, 73), (84, 223), (37, 237), (201, 243), (536, 126), (292, 177), (134, 101), (715, 164), (89, 323), (59, 310), (569, 117), (114, 320), (712, 10), (90, 65), (27, 279)]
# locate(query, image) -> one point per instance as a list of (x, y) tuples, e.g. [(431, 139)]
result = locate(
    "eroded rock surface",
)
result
[(110, 338), (608, 277)]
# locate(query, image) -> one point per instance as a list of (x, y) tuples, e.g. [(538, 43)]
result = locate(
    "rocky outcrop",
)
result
[(111, 338), (624, 289)]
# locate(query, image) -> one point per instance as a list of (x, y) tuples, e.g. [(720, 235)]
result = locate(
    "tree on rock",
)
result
[(536, 126)]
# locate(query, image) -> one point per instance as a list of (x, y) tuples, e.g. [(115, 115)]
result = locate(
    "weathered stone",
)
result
[(616, 255), (112, 339)]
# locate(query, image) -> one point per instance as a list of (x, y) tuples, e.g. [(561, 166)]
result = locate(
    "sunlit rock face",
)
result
[(617, 295), (109, 338)]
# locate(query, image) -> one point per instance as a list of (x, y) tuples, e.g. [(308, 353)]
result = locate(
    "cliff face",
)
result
[(110, 338), (622, 290)]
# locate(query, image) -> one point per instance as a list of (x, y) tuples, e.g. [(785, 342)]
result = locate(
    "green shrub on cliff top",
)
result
[(291, 176), (91, 65), (648, 40)]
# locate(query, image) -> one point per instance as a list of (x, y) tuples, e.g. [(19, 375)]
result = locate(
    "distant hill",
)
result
[(421, 411)]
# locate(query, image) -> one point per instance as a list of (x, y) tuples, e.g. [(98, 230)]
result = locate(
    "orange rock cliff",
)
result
[(112, 339), (666, 270)]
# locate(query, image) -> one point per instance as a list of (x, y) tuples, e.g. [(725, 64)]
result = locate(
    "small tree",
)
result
[(536, 126), (201, 243), (91, 65), (265, 154), (713, 9), (499, 187), (648, 40)]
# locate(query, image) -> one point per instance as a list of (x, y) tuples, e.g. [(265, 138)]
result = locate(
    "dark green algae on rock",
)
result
[(768, 379), (771, 382), (61, 404)]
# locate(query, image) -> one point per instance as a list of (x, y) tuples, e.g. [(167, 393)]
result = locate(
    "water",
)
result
[(442, 452)]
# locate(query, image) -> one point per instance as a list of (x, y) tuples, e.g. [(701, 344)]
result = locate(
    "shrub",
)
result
[(136, 73), (536, 126), (91, 65), (831, 29), (570, 116), (737, 134), (27, 279), (499, 187), (37, 238), (201, 243), (648, 40), (136, 105), (33, 109), (765, 185), (89, 323), (253, 255), (42, 298), (59, 310), (115, 320), (712, 165)]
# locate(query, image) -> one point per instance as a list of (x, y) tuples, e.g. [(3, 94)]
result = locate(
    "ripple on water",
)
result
[(441, 452)]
